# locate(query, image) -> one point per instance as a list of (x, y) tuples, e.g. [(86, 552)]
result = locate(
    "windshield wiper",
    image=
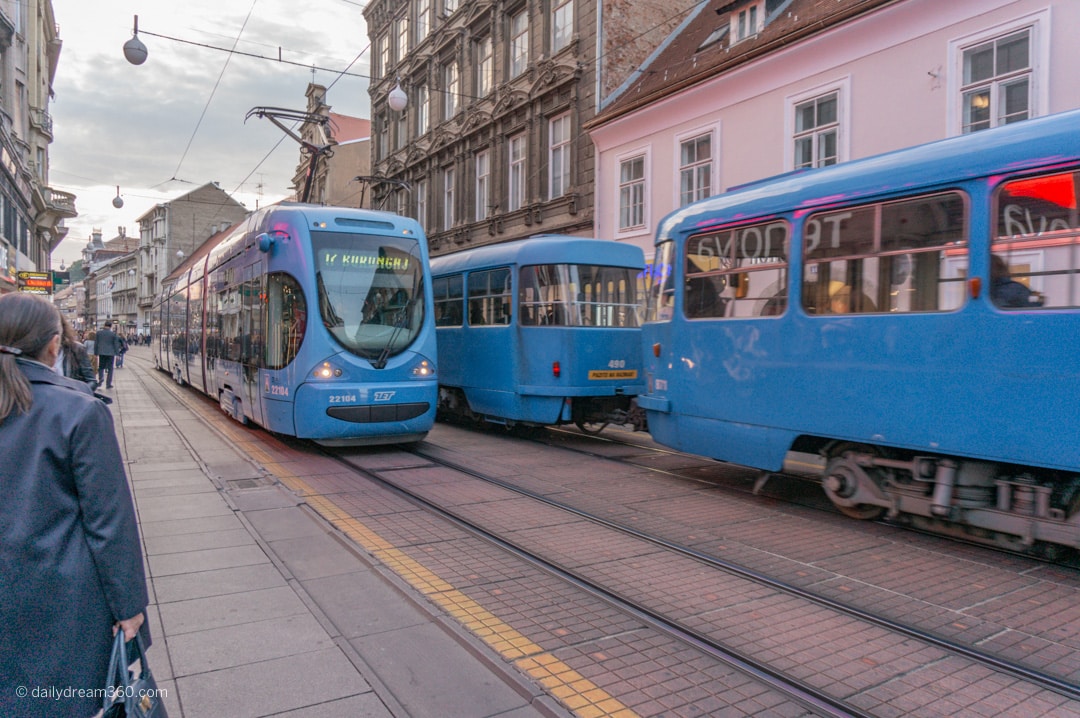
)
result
[(401, 320)]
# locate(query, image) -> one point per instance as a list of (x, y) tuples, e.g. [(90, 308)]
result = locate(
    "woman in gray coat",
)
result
[(71, 569)]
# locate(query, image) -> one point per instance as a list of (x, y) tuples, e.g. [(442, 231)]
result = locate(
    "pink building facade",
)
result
[(802, 83)]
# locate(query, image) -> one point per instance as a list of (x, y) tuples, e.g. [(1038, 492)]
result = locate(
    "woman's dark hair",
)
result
[(27, 325)]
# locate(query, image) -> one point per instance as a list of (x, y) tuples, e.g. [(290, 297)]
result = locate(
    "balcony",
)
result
[(42, 120), (59, 202)]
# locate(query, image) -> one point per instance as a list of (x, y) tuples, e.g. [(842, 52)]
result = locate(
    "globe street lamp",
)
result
[(134, 49)]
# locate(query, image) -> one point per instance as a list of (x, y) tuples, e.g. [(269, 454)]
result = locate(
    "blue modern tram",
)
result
[(311, 321), (911, 318), (540, 331)]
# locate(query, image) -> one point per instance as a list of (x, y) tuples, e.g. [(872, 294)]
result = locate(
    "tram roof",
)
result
[(1037, 142), (542, 249)]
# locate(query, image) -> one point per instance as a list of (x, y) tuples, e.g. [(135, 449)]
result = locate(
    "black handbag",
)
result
[(128, 695)]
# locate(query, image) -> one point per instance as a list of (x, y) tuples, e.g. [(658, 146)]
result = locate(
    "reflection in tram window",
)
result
[(904, 256), (1037, 247), (578, 295), (737, 272), (287, 319)]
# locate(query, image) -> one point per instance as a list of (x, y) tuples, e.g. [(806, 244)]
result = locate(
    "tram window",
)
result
[(447, 292), (489, 297), (580, 295), (902, 256), (1035, 260), (737, 272), (286, 313)]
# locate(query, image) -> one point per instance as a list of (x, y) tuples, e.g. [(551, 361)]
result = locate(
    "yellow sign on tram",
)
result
[(612, 374)]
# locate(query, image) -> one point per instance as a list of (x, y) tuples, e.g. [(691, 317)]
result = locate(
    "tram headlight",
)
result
[(423, 369), (326, 370)]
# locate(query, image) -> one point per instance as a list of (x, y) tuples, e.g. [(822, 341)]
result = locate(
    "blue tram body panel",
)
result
[(311, 321), (912, 317), (540, 331)]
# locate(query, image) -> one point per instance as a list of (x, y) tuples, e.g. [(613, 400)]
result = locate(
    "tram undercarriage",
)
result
[(978, 500), (590, 413)]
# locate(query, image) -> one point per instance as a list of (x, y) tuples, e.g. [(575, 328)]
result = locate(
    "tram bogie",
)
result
[(910, 318)]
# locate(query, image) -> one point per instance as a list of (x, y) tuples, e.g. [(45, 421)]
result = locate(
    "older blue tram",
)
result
[(540, 331), (911, 318), (310, 321)]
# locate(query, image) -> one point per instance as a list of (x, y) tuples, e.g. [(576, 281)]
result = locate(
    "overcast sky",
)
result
[(119, 124)]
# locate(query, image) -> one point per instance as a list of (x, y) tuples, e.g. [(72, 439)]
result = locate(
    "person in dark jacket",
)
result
[(71, 570), (107, 346), (1006, 291), (73, 361)]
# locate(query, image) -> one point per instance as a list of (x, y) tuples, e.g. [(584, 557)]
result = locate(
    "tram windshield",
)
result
[(370, 291), (578, 295)]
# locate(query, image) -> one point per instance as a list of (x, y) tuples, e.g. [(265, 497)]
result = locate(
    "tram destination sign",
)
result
[(35, 282)]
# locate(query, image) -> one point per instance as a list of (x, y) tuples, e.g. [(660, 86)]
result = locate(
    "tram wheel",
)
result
[(592, 428), (842, 479)]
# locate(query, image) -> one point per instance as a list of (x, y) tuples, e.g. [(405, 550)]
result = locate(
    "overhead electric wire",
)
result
[(213, 91)]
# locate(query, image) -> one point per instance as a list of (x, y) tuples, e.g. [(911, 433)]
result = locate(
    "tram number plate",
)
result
[(612, 374)]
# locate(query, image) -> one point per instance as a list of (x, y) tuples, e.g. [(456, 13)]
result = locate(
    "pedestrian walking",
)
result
[(107, 346), (88, 344), (71, 570), (121, 352), (73, 361)]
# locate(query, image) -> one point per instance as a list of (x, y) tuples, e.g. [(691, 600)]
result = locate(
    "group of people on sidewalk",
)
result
[(71, 565)]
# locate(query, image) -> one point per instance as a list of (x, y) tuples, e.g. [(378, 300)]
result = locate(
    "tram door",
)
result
[(253, 340)]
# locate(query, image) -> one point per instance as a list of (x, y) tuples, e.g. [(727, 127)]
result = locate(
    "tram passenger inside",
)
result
[(843, 301), (703, 299), (1006, 291)]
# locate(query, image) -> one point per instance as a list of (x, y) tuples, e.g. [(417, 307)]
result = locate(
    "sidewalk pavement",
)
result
[(259, 608)]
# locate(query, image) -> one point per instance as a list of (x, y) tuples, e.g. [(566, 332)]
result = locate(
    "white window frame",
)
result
[(559, 137), (485, 66), (452, 82), (382, 51), (1039, 89), (449, 177), (423, 19), (562, 24), (713, 134), (450, 6), (401, 30), (423, 110), (843, 117), (622, 188), (515, 184), (483, 184), (422, 204), (519, 43)]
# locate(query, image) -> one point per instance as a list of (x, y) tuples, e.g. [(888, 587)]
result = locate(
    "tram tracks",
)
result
[(812, 692), (1012, 668)]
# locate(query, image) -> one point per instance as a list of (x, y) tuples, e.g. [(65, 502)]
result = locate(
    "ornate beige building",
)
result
[(487, 145)]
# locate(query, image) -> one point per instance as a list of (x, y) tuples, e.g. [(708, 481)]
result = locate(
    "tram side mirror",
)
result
[(266, 242)]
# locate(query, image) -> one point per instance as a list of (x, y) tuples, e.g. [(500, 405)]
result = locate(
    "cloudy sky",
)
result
[(138, 127)]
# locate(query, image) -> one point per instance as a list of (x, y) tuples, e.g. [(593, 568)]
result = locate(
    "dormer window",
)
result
[(747, 21)]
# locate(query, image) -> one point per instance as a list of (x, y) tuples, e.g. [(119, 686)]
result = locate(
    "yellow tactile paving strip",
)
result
[(576, 692)]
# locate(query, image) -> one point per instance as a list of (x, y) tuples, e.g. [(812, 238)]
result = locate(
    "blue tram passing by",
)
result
[(540, 331), (910, 318), (315, 322)]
